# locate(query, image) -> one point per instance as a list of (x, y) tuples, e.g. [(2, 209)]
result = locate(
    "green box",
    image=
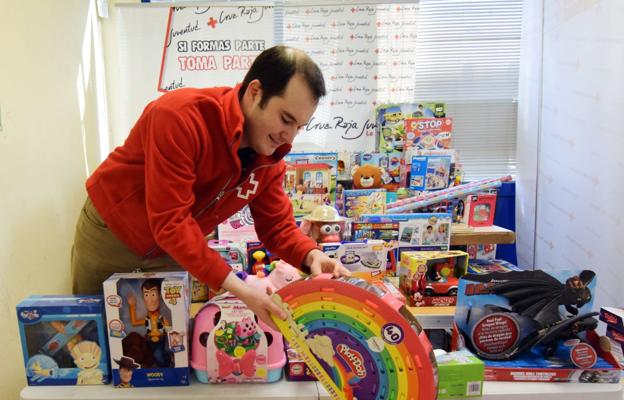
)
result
[(460, 375)]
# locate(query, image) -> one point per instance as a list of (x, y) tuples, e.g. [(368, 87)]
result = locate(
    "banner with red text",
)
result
[(367, 54), (213, 46)]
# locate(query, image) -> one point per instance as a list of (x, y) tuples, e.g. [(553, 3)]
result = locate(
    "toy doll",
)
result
[(324, 224), (86, 355), (155, 323), (126, 369)]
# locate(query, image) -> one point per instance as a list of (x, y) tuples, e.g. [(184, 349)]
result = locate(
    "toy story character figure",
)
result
[(155, 323), (126, 369)]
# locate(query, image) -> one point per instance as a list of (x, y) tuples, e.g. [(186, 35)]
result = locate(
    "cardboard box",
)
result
[(232, 255), (480, 209), (429, 172), (486, 266), (364, 201), (614, 317), (431, 278), (296, 368), (64, 340), (508, 340), (148, 326), (364, 259), (310, 180), (460, 375), (614, 344), (391, 121), (428, 133), (481, 251)]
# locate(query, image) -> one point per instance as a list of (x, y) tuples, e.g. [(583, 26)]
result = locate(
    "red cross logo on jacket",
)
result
[(248, 188)]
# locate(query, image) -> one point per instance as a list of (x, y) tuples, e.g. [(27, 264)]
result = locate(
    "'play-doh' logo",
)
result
[(173, 293), (353, 358)]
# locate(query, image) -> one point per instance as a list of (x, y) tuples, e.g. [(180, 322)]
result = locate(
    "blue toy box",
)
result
[(63, 340)]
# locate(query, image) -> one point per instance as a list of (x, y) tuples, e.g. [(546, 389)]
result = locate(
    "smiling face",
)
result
[(278, 121), (86, 355)]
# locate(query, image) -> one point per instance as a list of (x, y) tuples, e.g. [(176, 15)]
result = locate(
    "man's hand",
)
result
[(320, 263), (258, 301)]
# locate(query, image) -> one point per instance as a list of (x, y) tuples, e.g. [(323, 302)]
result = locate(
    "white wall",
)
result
[(581, 142), (49, 116), (529, 104), (133, 38)]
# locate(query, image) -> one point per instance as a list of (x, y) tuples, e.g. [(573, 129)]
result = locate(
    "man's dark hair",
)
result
[(275, 66)]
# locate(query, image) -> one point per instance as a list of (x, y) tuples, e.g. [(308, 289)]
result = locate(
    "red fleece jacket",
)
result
[(178, 175)]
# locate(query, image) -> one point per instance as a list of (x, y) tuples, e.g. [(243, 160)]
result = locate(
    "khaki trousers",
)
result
[(97, 254)]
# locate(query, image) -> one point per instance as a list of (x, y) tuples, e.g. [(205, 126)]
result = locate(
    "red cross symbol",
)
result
[(248, 188), (212, 23)]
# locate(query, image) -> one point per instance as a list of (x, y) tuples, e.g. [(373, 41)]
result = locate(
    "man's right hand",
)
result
[(258, 301)]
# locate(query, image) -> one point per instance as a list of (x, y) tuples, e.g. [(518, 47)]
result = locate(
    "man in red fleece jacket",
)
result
[(194, 158)]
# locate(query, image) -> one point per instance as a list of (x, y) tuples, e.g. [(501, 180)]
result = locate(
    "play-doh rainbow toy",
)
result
[(359, 341)]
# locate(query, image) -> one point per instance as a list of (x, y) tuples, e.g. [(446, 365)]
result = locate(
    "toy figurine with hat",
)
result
[(324, 225), (126, 366)]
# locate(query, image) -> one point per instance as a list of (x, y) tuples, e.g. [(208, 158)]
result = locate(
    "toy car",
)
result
[(447, 287)]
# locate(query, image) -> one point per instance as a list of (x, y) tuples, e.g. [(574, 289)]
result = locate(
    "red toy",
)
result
[(440, 279), (480, 209)]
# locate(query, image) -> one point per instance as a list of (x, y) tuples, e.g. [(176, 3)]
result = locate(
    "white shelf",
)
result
[(282, 390), (551, 391), (285, 390), (542, 391)]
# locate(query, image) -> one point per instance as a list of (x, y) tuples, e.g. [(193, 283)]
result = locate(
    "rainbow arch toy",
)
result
[(358, 340)]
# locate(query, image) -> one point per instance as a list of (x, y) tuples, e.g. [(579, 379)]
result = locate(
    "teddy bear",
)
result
[(371, 177), (367, 177)]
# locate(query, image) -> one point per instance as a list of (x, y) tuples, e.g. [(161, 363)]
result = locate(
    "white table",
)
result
[(281, 390), (542, 391), (552, 391), (285, 390)]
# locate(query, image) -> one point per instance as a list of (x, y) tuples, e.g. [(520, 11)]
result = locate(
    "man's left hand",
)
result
[(320, 263)]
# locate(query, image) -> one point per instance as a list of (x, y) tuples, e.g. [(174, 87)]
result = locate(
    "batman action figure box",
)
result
[(533, 326)]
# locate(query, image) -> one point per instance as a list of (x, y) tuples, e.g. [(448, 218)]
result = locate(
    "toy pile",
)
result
[(367, 209), (385, 214)]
